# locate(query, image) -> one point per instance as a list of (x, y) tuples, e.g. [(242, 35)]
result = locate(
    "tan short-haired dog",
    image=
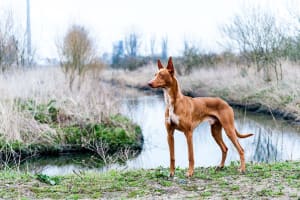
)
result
[(185, 113)]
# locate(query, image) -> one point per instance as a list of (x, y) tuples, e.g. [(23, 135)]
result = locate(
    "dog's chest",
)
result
[(171, 116)]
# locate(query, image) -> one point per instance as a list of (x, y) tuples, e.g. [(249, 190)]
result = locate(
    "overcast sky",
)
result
[(110, 20)]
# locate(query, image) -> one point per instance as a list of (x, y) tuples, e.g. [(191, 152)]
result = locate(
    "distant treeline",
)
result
[(254, 37)]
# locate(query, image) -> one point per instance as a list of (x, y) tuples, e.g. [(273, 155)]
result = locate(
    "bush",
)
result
[(131, 63), (78, 54), (117, 133)]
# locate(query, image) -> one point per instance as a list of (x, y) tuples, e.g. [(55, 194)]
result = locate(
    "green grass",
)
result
[(283, 182)]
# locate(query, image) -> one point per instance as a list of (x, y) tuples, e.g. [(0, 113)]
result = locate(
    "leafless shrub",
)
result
[(78, 55), (132, 43), (102, 150), (8, 156), (194, 57), (126, 153), (164, 47), (12, 44), (11, 156), (259, 37), (191, 57), (152, 45)]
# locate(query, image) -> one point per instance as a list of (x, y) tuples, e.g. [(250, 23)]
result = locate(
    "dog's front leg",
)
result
[(189, 139), (171, 149)]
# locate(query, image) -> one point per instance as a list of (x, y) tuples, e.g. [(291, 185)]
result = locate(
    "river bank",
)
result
[(240, 87), (41, 115), (261, 181), (110, 139)]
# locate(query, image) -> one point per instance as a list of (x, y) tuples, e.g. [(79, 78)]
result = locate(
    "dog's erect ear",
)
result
[(170, 66), (159, 64)]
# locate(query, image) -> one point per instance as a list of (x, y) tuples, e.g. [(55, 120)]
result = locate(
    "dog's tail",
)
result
[(243, 136)]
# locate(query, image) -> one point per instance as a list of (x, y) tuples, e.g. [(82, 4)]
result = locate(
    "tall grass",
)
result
[(246, 85), (94, 102)]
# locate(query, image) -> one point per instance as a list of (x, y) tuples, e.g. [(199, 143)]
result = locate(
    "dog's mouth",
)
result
[(152, 85)]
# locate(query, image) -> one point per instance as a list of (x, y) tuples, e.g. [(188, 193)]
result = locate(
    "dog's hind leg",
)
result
[(226, 118), (230, 131), (216, 131)]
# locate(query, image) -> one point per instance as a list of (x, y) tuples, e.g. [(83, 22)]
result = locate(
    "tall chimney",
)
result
[(28, 30)]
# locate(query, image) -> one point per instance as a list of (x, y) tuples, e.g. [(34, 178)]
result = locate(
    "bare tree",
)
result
[(117, 54), (293, 41), (152, 45), (12, 46), (164, 47), (132, 43), (78, 54), (191, 56), (259, 37)]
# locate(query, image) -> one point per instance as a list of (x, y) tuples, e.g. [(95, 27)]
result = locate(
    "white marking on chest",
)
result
[(172, 116)]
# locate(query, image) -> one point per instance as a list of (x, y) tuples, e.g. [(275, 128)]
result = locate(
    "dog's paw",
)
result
[(171, 174), (219, 168), (242, 171), (189, 173)]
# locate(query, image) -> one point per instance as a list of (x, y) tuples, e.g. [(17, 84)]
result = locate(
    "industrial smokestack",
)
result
[(28, 30)]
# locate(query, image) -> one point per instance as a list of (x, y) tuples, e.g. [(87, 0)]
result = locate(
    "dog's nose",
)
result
[(150, 84)]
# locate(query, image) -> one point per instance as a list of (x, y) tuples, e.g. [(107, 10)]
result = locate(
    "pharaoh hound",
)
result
[(184, 113)]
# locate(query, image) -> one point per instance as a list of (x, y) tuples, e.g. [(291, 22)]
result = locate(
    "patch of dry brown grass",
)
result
[(247, 86), (93, 102)]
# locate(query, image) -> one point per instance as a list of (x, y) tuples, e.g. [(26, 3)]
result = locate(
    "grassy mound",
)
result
[(65, 133)]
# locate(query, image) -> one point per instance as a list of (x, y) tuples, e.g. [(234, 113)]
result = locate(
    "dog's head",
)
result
[(164, 77)]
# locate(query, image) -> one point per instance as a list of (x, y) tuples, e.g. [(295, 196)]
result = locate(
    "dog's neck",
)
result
[(172, 93)]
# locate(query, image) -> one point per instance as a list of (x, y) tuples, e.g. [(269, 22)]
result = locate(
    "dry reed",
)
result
[(92, 103)]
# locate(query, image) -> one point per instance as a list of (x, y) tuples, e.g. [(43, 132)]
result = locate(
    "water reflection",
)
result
[(273, 141), (265, 150)]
